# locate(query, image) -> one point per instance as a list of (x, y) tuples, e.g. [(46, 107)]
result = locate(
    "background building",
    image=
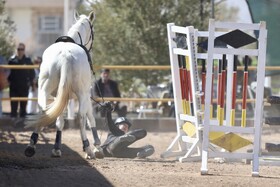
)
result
[(40, 23)]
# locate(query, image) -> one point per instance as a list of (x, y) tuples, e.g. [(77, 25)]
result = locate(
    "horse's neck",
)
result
[(77, 33), (75, 37)]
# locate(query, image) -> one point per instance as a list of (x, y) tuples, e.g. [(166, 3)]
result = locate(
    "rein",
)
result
[(99, 93), (91, 38)]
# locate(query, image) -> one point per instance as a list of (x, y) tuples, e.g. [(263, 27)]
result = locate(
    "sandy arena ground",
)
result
[(73, 170)]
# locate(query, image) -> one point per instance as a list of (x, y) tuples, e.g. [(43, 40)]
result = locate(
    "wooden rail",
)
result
[(117, 67), (19, 66), (122, 99), (131, 67), (98, 99)]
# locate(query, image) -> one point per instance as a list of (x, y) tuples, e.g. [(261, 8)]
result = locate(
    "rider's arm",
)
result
[(112, 127)]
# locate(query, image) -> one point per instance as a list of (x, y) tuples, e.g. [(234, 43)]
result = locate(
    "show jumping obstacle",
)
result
[(199, 131), (235, 41)]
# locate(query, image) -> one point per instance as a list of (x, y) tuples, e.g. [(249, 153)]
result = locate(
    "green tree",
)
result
[(7, 29), (134, 33)]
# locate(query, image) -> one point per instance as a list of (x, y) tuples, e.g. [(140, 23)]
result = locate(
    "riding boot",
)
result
[(148, 150)]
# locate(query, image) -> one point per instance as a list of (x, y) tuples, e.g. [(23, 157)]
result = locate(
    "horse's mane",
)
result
[(78, 27)]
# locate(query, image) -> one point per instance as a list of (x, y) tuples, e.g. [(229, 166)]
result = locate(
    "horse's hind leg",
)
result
[(56, 151), (42, 101), (30, 150)]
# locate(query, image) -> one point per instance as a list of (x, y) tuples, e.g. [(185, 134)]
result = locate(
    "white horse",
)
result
[(65, 73)]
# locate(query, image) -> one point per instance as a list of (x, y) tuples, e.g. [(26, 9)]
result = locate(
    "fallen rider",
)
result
[(119, 138)]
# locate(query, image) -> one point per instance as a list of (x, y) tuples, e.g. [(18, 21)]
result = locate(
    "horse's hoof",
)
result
[(90, 156), (29, 151), (98, 152), (89, 153), (56, 153)]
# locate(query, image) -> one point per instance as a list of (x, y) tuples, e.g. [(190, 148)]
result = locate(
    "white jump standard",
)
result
[(228, 126), (189, 115)]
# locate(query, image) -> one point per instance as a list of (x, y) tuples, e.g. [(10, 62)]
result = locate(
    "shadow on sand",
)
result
[(42, 170)]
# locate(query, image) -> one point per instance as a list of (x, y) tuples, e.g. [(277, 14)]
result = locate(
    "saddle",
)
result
[(69, 39)]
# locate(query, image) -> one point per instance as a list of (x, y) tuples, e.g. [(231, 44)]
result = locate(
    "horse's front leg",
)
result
[(30, 149), (56, 151), (86, 145), (91, 121)]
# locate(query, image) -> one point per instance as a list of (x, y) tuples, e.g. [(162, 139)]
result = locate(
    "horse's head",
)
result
[(82, 31)]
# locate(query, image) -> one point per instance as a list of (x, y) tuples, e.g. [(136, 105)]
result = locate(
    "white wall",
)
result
[(22, 19)]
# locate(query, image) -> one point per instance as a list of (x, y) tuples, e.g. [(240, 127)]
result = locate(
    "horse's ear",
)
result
[(76, 15), (91, 16)]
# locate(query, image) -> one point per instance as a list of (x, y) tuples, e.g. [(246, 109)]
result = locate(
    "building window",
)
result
[(49, 29), (50, 24)]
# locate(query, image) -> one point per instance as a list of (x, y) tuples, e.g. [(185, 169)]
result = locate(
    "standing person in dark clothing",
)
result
[(32, 106), (119, 138), (106, 87), (20, 80)]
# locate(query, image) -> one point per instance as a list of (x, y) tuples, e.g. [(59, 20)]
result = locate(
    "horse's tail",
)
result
[(63, 92)]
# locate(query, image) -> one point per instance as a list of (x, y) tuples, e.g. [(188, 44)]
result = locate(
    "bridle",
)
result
[(91, 38)]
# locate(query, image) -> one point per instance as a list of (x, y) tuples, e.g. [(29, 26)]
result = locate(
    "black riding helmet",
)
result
[(122, 120)]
